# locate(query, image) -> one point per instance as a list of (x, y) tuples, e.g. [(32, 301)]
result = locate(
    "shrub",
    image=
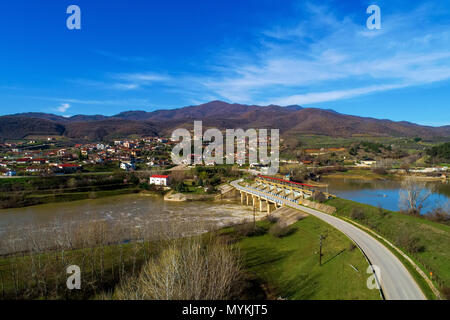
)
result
[(438, 215), (187, 269), (381, 212), (409, 243), (144, 186), (248, 229), (319, 196), (381, 171), (357, 214), (446, 292), (280, 231)]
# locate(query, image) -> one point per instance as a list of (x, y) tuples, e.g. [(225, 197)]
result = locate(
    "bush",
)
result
[(438, 215), (409, 243), (144, 186), (248, 229), (187, 269), (380, 171), (381, 212), (273, 219), (319, 196), (357, 214), (280, 231), (440, 152), (180, 187), (446, 292)]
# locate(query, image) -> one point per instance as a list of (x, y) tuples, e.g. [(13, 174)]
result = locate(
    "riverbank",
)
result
[(273, 267), (25, 192), (225, 192), (54, 196), (366, 174)]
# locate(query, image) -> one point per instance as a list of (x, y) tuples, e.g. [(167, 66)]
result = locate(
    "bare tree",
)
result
[(186, 268), (413, 196)]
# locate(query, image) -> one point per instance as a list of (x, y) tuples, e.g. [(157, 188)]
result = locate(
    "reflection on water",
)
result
[(386, 193)]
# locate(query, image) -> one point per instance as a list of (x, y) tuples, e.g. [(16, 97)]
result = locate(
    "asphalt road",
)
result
[(395, 280)]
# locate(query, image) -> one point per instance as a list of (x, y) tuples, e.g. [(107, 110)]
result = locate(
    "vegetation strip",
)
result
[(416, 267)]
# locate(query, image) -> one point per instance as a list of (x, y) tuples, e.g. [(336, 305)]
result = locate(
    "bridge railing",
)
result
[(269, 195)]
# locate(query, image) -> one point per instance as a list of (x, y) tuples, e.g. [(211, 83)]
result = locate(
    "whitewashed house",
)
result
[(159, 180)]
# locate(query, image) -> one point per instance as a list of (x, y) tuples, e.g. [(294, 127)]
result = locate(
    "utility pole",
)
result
[(320, 249), (254, 215)]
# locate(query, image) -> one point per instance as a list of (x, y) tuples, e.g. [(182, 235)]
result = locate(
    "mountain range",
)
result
[(291, 120)]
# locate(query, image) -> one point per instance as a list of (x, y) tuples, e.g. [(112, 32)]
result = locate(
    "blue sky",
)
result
[(148, 55)]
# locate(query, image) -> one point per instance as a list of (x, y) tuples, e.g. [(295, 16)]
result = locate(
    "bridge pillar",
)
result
[(242, 197), (248, 197), (268, 206), (260, 205)]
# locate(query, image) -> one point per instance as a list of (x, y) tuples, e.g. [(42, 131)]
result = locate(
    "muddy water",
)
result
[(134, 209), (129, 211)]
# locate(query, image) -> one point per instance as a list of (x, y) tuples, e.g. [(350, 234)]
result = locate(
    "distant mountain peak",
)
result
[(291, 119), (294, 107)]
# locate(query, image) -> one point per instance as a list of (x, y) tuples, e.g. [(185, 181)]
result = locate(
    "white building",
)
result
[(159, 180), (127, 165), (367, 163)]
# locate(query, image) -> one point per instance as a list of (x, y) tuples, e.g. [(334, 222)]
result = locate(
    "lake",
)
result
[(386, 193)]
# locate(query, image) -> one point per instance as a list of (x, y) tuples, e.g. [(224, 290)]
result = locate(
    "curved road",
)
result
[(396, 282)]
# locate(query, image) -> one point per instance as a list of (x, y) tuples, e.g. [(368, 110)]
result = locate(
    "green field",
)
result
[(426, 242), (288, 267), (319, 141), (43, 276)]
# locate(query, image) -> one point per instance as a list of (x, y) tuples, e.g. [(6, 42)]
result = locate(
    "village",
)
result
[(48, 156)]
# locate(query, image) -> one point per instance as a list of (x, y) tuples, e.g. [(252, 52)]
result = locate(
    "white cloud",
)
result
[(346, 55), (324, 57), (138, 80), (316, 97), (124, 81), (63, 107)]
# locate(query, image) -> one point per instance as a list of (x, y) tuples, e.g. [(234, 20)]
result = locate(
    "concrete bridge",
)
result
[(394, 280), (269, 193)]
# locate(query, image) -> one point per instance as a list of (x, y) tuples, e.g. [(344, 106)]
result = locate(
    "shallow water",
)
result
[(133, 210)]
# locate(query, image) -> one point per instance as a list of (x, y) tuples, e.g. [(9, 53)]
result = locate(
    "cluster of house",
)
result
[(9, 167), (19, 157)]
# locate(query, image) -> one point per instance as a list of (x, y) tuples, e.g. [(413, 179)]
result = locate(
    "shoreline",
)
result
[(169, 197), (372, 177)]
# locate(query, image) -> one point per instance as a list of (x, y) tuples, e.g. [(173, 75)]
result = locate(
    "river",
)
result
[(131, 211), (144, 211)]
